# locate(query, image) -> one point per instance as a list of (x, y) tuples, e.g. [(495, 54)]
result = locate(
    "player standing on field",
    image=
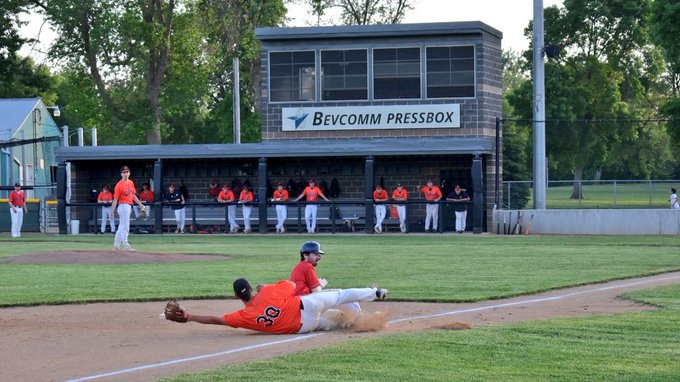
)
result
[(176, 200), (401, 195), (105, 198), (379, 197), (432, 195), (123, 198), (17, 208), (312, 193), (280, 196)]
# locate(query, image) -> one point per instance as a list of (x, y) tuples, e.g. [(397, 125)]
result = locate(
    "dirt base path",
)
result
[(128, 341)]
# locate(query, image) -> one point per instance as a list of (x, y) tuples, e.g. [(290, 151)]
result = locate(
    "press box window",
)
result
[(396, 73), (292, 76), (450, 71), (344, 75)]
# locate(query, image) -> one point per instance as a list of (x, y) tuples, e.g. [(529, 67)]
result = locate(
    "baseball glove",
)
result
[(143, 211), (174, 312)]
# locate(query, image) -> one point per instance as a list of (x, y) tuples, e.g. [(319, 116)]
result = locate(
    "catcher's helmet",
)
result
[(310, 247)]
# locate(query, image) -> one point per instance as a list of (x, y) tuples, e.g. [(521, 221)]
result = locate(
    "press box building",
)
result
[(364, 105)]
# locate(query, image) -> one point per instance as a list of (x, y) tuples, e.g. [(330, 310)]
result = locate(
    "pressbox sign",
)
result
[(371, 117)]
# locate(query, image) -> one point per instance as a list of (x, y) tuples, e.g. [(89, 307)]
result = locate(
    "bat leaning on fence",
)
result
[(528, 231), (515, 228)]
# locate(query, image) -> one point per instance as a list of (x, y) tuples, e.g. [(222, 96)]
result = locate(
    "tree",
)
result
[(10, 40), (362, 12)]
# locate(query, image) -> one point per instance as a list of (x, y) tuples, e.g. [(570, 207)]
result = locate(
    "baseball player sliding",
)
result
[(276, 309)]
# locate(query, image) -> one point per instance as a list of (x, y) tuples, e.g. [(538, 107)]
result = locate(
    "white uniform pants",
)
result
[(432, 214), (380, 212), (310, 216), (121, 240), (401, 210), (461, 217), (316, 304), (180, 218), (106, 215), (231, 216), (281, 215), (17, 217), (247, 210)]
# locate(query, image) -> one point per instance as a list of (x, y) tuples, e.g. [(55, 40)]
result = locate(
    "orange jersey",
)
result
[(431, 194), (280, 195), (17, 198), (105, 196), (380, 195), (246, 196), (227, 196), (273, 310), (400, 195), (124, 192), (147, 196), (312, 193), (304, 277)]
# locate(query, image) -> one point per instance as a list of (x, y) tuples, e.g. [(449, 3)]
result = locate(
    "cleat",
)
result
[(381, 293)]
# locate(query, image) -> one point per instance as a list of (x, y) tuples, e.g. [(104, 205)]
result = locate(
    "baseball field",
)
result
[(462, 307)]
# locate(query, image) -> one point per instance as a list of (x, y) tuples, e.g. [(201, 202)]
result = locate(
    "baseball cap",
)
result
[(17, 184), (171, 185), (279, 184), (241, 287), (398, 184), (430, 181), (311, 181), (124, 168), (378, 186), (225, 186)]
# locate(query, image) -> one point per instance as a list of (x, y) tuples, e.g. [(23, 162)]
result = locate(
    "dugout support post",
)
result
[(369, 175), (262, 194), (158, 191), (478, 194), (61, 198)]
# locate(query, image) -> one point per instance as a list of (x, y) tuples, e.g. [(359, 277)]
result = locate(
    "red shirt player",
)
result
[(304, 274), (17, 208)]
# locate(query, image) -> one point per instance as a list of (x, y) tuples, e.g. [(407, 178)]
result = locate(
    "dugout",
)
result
[(360, 104)]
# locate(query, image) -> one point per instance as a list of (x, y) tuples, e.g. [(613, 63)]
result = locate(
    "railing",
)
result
[(563, 194), (333, 216)]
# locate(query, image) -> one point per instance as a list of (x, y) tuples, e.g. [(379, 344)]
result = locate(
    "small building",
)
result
[(28, 140), (359, 105)]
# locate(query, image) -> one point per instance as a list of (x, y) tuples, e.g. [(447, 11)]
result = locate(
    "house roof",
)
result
[(371, 31), (286, 149), (13, 113)]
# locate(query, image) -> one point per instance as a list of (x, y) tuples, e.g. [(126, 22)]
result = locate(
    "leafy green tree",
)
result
[(10, 40), (362, 12), (28, 80)]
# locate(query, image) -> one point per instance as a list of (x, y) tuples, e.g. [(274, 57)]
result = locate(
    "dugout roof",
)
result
[(286, 149)]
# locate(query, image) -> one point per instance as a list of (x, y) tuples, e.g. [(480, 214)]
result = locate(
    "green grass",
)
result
[(643, 346), (610, 195), (420, 268)]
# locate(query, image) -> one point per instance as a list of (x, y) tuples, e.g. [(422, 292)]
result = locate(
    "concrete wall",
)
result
[(593, 222)]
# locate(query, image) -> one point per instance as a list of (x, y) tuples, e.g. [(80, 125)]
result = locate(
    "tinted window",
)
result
[(344, 75), (292, 76), (450, 71), (396, 73)]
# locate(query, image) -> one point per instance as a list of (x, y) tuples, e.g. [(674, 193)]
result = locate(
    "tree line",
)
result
[(160, 71)]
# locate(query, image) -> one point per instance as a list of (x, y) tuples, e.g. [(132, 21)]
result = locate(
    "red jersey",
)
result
[(17, 198), (105, 196), (246, 196), (399, 195), (380, 195), (226, 196), (312, 193), (280, 195), (431, 194), (273, 310), (147, 196), (125, 191), (304, 277)]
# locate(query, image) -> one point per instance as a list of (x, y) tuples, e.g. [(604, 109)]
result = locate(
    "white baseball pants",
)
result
[(231, 216), (461, 217), (180, 218), (310, 216), (107, 215), (281, 215), (401, 210), (380, 212), (17, 217), (247, 210), (121, 240), (316, 304), (431, 214)]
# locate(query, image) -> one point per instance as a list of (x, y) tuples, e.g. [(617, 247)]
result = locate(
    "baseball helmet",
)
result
[(311, 247)]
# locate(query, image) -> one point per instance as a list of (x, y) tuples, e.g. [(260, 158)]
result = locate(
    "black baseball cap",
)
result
[(124, 168), (241, 287), (17, 184)]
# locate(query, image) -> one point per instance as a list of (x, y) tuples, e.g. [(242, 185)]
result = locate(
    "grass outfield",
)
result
[(414, 267), (643, 346)]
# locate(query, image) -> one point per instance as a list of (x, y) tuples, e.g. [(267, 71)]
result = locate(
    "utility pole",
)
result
[(539, 110)]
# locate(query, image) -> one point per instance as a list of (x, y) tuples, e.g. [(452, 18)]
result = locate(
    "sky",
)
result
[(508, 16)]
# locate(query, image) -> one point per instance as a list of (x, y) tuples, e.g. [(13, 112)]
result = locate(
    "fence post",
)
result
[(650, 192), (510, 193), (615, 193)]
